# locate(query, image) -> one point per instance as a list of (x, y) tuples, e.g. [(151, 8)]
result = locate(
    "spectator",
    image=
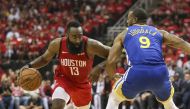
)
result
[(186, 91), (6, 95), (17, 93), (186, 66), (99, 92)]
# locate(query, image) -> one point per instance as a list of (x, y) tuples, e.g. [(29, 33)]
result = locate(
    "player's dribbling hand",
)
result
[(18, 73)]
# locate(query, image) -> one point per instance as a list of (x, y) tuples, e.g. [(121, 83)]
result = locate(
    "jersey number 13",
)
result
[(74, 70)]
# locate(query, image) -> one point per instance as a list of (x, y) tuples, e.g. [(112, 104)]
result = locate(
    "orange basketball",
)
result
[(29, 79)]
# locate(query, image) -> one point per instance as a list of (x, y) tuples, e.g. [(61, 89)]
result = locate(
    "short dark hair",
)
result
[(75, 24), (187, 72), (141, 14)]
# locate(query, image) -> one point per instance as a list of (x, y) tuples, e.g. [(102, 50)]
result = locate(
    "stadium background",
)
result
[(27, 26)]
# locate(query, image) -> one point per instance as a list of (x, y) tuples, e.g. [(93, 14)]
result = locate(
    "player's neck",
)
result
[(140, 24)]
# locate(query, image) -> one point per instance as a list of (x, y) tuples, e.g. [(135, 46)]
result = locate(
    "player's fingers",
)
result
[(117, 75), (20, 71), (90, 77), (96, 78), (23, 68), (17, 77), (93, 77)]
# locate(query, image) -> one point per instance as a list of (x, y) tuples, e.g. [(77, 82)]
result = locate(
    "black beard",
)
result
[(73, 49)]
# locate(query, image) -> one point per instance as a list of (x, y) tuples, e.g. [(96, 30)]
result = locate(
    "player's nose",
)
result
[(78, 40), (127, 21)]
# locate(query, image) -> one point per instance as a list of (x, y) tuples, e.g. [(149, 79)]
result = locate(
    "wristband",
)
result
[(100, 66), (29, 65)]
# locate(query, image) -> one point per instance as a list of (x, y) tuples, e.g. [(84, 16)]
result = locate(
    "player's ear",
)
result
[(67, 33), (134, 20)]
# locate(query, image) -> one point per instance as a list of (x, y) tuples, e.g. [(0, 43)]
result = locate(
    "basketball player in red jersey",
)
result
[(75, 54)]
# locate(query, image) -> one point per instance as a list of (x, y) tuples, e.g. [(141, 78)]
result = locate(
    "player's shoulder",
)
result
[(57, 39), (124, 32), (121, 36), (163, 32), (93, 42), (55, 43)]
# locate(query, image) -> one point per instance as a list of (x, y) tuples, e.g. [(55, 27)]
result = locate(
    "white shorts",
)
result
[(72, 106), (60, 93)]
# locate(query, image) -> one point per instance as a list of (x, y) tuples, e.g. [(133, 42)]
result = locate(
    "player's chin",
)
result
[(77, 46), (129, 24)]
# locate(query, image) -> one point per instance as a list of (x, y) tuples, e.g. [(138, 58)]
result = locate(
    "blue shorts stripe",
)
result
[(126, 73)]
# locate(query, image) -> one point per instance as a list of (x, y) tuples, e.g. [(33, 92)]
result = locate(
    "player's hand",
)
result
[(24, 67), (94, 74), (18, 73), (116, 77)]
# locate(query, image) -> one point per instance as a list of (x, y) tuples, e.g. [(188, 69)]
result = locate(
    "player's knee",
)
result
[(58, 104), (169, 104), (87, 106), (84, 107)]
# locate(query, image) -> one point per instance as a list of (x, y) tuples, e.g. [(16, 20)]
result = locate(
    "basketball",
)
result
[(29, 79)]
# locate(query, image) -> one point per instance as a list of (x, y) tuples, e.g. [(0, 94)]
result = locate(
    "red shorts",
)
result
[(79, 96)]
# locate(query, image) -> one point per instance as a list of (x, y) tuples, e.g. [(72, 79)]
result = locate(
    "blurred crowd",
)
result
[(27, 26), (174, 17), (14, 97)]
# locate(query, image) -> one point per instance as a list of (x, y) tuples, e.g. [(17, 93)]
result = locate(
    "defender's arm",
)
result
[(176, 42), (114, 54)]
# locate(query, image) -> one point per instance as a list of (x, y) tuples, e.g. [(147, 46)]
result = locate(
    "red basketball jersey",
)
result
[(73, 69)]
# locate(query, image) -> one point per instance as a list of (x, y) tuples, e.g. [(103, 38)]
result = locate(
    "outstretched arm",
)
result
[(95, 47), (114, 54), (176, 42), (44, 59)]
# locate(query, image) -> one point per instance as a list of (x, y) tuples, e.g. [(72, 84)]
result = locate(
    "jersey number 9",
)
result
[(145, 42)]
